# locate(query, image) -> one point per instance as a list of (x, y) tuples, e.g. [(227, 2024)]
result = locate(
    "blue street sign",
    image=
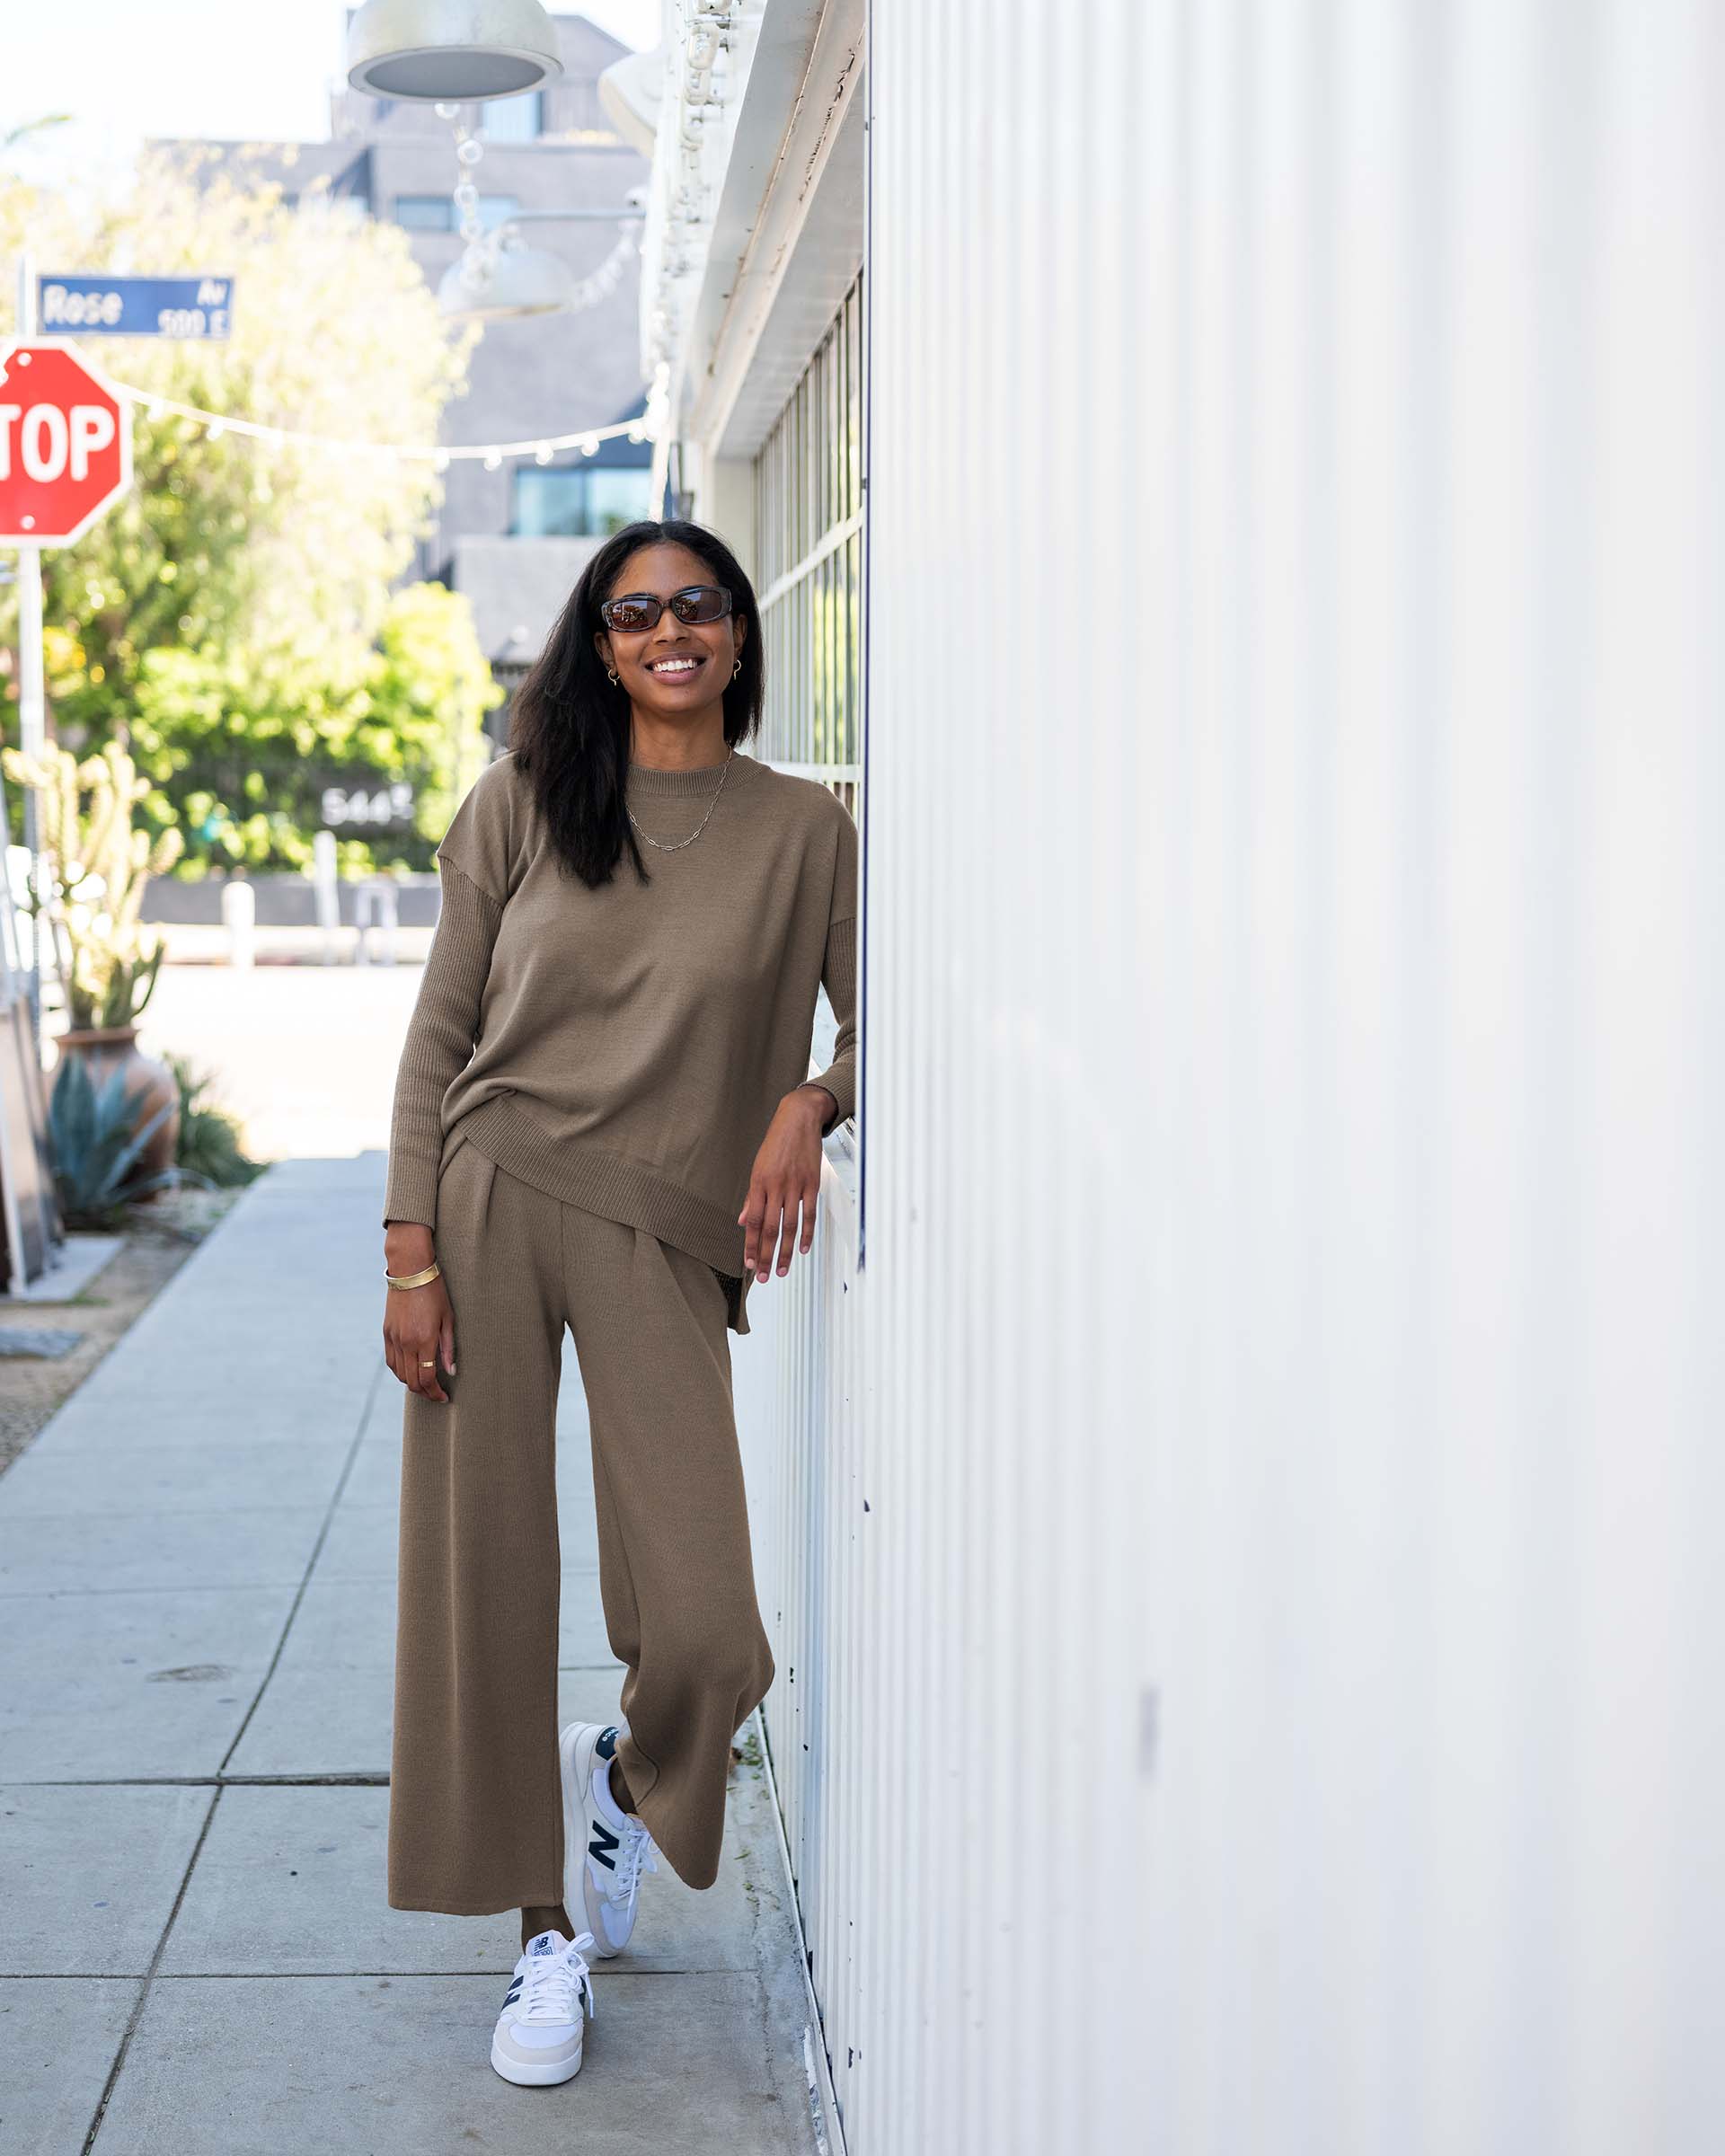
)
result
[(135, 306)]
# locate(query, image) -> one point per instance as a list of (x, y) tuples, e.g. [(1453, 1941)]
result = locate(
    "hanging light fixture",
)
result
[(498, 283), (433, 49)]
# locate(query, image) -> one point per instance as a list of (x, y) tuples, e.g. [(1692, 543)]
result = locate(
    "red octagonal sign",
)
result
[(65, 442)]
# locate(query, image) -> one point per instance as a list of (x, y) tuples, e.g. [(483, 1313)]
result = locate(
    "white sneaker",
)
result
[(605, 1849), (538, 2033)]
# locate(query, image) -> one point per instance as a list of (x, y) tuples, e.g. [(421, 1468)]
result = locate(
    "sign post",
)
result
[(66, 456), (31, 706)]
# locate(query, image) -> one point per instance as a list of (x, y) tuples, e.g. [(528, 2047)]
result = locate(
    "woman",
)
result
[(601, 1119)]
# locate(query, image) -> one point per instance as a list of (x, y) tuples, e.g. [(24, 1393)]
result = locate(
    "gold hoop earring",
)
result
[(736, 669), (612, 671)]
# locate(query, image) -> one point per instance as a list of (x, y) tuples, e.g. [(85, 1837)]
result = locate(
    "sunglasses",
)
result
[(639, 610)]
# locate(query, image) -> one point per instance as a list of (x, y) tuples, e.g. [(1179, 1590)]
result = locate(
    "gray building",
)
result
[(515, 538)]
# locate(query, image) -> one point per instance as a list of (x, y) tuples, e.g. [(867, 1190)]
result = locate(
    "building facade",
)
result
[(1234, 1483)]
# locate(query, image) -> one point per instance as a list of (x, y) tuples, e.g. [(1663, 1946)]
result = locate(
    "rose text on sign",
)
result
[(100, 306)]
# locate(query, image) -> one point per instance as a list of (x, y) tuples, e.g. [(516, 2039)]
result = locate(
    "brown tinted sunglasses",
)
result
[(639, 610)]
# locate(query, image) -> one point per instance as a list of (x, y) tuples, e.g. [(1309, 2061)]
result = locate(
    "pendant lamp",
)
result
[(454, 49), (500, 284)]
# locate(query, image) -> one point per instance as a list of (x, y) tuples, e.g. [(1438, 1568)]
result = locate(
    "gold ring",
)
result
[(430, 1365)]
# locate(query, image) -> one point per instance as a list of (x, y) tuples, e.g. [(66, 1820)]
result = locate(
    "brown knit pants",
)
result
[(475, 1811)]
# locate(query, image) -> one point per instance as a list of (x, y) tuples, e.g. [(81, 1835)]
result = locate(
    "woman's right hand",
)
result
[(419, 1325)]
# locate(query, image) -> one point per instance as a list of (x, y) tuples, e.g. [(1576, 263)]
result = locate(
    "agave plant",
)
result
[(210, 1153), (95, 1147)]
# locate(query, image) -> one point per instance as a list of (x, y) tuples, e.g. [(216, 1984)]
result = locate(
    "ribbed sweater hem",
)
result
[(580, 1173)]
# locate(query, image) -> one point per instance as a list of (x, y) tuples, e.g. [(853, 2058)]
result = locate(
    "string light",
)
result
[(476, 274), (597, 285), (679, 224), (437, 454)]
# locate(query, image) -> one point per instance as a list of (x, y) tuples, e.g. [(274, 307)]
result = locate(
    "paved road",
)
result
[(197, 1613)]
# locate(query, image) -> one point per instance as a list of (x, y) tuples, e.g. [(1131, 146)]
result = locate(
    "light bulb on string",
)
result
[(217, 424)]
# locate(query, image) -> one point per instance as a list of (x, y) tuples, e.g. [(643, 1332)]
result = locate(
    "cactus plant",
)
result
[(99, 867)]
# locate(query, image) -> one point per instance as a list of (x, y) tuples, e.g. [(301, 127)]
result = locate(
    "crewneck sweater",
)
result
[(624, 1048)]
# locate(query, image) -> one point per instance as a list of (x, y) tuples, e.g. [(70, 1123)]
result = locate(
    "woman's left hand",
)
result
[(785, 1180)]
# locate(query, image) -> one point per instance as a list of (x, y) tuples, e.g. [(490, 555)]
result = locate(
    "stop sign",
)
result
[(65, 442)]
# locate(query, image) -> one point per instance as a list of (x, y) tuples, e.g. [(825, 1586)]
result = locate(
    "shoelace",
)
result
[(553, 1984), (637, 1850)]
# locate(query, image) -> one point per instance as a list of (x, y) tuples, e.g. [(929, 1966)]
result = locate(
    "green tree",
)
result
[(245, 587), (240, 744)]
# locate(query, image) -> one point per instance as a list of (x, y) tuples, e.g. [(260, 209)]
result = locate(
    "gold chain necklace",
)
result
[(701, 827)]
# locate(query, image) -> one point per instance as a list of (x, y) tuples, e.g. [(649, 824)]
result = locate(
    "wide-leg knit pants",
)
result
[(475, 1810)]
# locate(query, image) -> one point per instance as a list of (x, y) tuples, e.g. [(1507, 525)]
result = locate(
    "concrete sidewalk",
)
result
[(196, 1629)]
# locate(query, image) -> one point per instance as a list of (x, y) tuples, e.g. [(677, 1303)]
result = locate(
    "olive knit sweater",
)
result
[(624, 1048)]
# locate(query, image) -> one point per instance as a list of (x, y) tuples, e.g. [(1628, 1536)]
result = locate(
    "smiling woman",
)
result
[(602, 1120), (636, 1039), (682, 660)]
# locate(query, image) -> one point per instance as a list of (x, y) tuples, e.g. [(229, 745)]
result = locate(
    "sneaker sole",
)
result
[(533, 2077)]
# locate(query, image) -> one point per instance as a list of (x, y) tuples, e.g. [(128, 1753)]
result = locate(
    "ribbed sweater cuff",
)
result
[(839, 975), (839, 1079), (410, 1192)]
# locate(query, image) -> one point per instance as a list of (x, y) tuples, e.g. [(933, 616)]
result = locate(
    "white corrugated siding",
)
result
[(1268, 1704)]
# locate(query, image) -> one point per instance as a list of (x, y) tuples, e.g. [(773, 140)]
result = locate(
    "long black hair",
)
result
[(569, 724)]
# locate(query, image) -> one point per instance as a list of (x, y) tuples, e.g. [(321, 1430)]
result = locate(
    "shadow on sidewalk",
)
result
[(197, 1640)]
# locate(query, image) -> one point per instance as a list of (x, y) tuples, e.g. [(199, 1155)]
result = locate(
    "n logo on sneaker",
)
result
[(602, 1843)]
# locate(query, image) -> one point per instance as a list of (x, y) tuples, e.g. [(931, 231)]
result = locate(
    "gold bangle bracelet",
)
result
[(413, 1280)]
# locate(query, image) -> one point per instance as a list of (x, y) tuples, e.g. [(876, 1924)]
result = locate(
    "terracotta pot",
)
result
[(151, 1084)]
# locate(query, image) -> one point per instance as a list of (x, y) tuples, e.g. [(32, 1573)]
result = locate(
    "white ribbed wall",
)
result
[(1269, 1705)]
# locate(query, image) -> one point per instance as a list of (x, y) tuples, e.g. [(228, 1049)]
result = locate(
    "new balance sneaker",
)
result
[(538, 2033), (605, 1849)]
